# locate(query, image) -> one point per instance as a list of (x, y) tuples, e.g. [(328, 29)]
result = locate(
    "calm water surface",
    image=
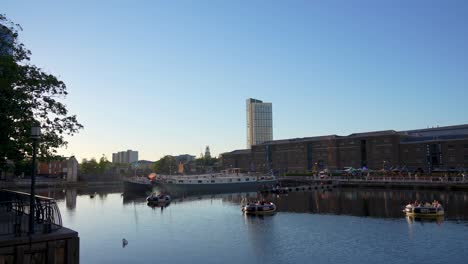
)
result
[(341, 226)]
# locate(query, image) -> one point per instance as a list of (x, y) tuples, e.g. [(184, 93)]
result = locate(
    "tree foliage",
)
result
[(206, 161), (165, 165), (29, 95), (92, 167)]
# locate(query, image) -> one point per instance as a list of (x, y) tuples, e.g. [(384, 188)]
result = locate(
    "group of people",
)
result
[(434, 204)]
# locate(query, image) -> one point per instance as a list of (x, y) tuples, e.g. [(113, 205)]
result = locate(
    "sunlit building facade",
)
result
[(259, 122), (437, 149)]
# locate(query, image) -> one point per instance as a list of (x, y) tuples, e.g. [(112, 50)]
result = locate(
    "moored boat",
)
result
[(424, 210), (259, 208), (230, 180)]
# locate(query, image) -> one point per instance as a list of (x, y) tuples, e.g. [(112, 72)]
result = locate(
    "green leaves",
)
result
[(166, 165), (28, 94)]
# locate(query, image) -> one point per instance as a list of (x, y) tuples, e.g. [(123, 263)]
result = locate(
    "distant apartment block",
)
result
[(128, 156), (259, 122)]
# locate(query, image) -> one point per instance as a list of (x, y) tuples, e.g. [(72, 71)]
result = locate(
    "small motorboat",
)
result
[(424, 210), (259, 208), (158, 199)]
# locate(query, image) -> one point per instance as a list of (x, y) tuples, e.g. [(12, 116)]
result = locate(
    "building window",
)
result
[(466, 157), (465, 146), (451, 159), (405, 150), (451, 147)]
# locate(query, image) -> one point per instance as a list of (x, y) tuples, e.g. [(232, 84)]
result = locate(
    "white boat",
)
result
[(427, 210), (225, 181), (259, 208)]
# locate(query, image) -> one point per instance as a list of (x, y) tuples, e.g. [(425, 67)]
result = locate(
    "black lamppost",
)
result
[(35, 135)]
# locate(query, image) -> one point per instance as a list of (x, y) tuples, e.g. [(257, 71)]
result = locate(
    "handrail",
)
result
[(27, 194), (15, 210)]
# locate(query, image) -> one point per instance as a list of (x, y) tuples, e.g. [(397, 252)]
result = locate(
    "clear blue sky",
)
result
[(169, 77)]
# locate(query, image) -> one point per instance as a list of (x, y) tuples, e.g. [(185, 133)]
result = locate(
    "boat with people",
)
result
[(229, 180), (259, 208), (159, 198), (417, 209)]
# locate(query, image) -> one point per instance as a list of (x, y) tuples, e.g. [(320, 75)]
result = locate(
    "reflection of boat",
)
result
[(137, 184), (159, 199), (259, 208), (438, 219), (424, 211), (230, 180), (133, 197)]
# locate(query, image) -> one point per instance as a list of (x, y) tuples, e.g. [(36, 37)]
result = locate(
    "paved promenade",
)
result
[(454, 183)]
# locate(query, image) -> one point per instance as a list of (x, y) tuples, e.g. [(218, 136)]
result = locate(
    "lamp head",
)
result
[(36, 131)]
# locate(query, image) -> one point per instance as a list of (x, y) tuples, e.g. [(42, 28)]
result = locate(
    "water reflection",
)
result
[(358, 202), (380, 203), (210, 228), (413, 219), (70, 198)]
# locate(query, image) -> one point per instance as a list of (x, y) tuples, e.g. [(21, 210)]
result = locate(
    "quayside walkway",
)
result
[(384, 182), (49, 243)]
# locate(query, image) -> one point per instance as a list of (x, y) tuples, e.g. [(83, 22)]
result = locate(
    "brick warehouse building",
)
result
[(427, 150)]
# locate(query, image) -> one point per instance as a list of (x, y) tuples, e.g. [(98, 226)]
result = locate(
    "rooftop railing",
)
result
[(14, 214)]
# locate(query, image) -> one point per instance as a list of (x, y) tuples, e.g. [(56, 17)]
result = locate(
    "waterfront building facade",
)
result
[(66, 168), (425, 150), (259, 122), (125, 157)]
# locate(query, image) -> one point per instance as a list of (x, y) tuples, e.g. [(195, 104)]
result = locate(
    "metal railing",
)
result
[(14, 214)]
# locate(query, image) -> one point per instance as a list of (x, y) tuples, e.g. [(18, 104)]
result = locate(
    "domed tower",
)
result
[(207, 152)]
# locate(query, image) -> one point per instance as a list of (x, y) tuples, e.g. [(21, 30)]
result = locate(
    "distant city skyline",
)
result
[(172, 77)]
